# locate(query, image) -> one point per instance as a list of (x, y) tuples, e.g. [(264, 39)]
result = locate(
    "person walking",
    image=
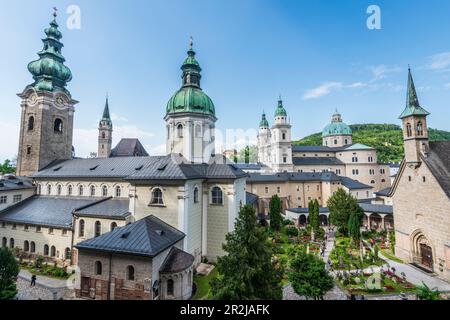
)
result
[(33, 280)]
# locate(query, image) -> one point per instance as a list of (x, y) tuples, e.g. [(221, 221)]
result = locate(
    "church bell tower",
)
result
[(46, 127), (105, 129)]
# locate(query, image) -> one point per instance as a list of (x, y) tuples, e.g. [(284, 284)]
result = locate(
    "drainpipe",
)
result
[(109, 276)]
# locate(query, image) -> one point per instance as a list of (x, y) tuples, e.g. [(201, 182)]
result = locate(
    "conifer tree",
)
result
[(275, 209), (314, 214), (247, 271)]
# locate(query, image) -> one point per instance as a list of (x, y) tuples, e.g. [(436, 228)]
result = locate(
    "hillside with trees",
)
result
[(386, 138)]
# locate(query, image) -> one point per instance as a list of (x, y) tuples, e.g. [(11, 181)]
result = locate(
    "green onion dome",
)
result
[(336, 127), (280, 111), (264, 123), (191, 98), (49, 72)]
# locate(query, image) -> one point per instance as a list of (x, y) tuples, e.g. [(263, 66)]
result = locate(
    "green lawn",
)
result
[(388, 254), (203, 287)]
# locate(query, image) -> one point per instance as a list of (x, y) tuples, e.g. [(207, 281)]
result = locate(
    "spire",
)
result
[(49, 72), (412, 102), (106, 110), (191, 68)]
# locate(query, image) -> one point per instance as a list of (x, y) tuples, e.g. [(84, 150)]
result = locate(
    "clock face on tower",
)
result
[(32, 99), (60, 101)]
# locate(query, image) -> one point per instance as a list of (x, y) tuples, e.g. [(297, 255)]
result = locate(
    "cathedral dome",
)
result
[(190, 99), (336, 127)]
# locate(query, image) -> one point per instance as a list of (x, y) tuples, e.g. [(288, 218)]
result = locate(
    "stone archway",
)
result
[(323, 220), (302, 220), (422, 250)]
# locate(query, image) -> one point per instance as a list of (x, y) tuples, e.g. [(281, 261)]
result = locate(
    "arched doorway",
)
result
[(375, 221), (422, 250), (302, 220), (323, 220)]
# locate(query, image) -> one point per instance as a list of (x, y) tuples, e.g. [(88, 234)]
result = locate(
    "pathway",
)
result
[(416, 276), (45, 289)]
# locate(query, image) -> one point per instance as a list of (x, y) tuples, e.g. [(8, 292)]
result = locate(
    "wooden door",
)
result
[(427, 256), (85, 281)]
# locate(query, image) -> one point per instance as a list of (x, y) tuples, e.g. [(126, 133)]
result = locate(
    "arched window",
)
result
[(346, 142), (11, 243), (98, 268), (283, 136), (39, 189), (104, 191), (198, 131), (103, 135), (53, 251), (113, 226), (180, 131), (118, 192), (26, 246), (67, 254), (31, 123), (59, 189), (92, 191), (130, 273), (81, 228), (335, 141), (217, 195), (98, 228), (195, 195), (170, 287), (28, 150), (419, 128), (32, 247), (4, 242), (49, 189), (46, 250), (157, 197), (58, 126), (80, 190), (408, 130), (69, 190)]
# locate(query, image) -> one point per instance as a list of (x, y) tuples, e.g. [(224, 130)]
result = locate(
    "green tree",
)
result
[(341, 205), (247, 271), (426, 293), (313, 208), (354, 226), (247, 154), (309, 277), (275, 209), (7, 167), (9, 269)]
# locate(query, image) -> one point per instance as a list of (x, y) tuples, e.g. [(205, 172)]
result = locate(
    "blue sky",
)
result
[(319, 55)]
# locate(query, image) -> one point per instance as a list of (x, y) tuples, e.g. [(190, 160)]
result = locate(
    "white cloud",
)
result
[(322, 90), (159, 150), (439, 62), (85, 140), (116, 117), (357, 85), (381, 71)]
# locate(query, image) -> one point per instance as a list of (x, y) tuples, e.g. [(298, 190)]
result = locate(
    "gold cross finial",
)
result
[(191, 42)]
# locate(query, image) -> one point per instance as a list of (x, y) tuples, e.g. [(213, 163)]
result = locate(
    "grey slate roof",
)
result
[(250, 166), (306, 210), (292, 176), (355, 146), (45, 211), (376, 208), (107, 208), (129, 148), (384, 192), (169, 167), (354, 184), (251, 198), (438, 161), (146, 237), (314, 161), (11, 182), (176, 261)]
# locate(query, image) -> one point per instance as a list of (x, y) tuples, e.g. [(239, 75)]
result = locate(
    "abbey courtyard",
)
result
[(134, 226)]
